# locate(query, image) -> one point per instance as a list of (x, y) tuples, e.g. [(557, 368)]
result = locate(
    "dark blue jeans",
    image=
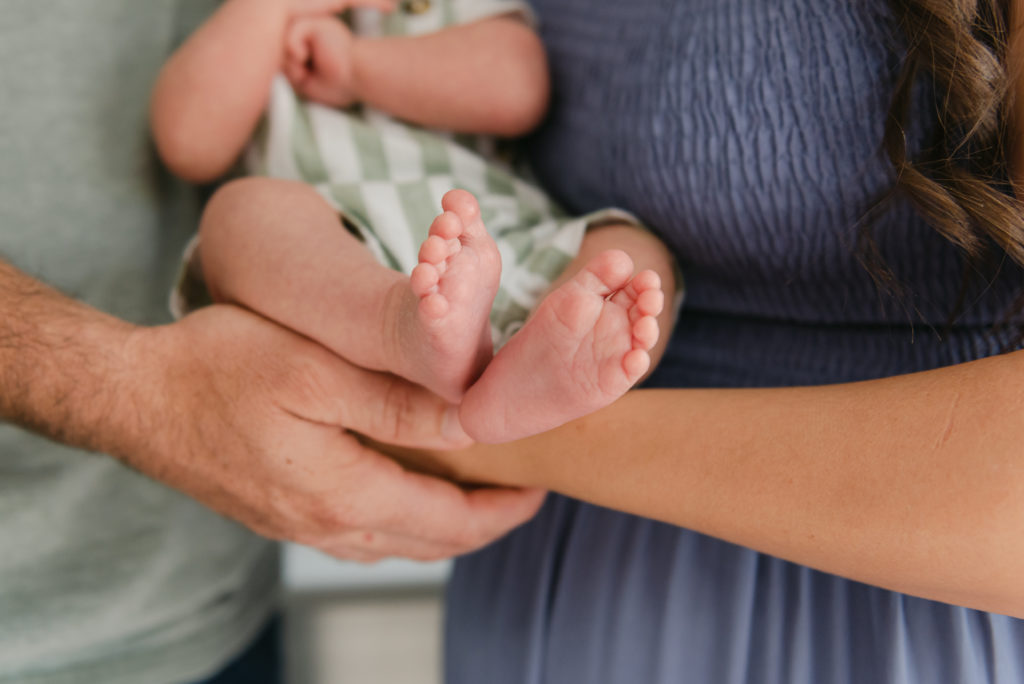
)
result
[(261, 663)]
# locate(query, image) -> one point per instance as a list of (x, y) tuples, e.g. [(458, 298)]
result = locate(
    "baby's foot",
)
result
[(446, 338), (584, 346)]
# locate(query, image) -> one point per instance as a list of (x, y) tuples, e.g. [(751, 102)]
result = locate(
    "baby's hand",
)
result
[(318, 60), (307, 8)]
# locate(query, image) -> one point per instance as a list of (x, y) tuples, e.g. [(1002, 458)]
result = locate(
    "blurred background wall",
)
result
[(347, 623)]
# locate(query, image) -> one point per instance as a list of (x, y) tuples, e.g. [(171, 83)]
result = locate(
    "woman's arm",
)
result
[(914, 483)]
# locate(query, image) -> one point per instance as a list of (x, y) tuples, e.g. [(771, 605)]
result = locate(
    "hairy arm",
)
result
[(488, 76), (246, 417), (914, 483), (61, 366)]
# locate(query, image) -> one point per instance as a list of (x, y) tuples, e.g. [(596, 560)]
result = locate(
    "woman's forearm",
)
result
[(211, 93), (914, 483)]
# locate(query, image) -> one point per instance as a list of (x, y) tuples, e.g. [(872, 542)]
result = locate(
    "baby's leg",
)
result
[(587, 343), (278, 248)]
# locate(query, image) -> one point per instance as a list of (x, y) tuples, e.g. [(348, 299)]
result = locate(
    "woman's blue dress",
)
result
[(747, 133)]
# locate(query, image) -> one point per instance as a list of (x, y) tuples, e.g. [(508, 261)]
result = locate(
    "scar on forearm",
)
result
[(947, 429)]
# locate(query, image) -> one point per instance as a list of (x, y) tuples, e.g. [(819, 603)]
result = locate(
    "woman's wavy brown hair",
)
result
[(958, 181)]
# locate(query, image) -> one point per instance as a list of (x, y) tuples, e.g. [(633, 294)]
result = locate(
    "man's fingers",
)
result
[(381, 510), (497, 511), (383, 407), (425, 507), (395, 411), (368, 546)]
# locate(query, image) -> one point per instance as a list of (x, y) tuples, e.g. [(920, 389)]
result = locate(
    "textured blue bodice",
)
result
[(747, 133)]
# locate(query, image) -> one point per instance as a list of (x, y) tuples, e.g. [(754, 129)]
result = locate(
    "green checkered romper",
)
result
[(386, 178)]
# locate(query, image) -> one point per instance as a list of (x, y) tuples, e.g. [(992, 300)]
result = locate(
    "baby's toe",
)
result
[(433, 306), (635, 363), (423, 279), (645, 333), (650, 302), (463, 204), (434, 250), (447, 226), (607, 272), (647, 280)]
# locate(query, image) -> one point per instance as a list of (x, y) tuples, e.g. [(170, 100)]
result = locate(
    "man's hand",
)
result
[(318, 60), (253, 421)]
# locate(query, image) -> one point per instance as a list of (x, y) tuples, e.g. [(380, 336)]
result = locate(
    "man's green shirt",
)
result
[(105, 576)]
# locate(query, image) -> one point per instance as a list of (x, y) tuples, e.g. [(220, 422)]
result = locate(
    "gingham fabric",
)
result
[(386, 178)]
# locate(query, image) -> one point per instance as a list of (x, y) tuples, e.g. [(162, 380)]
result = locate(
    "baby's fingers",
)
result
[(297, 53), (296, 46), (296, 72)]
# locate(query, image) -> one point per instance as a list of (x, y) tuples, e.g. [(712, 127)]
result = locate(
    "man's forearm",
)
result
[(61, 366), (489, 76), (245, 417)]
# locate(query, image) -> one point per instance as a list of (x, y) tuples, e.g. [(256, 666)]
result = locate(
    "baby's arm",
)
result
[(488, 76), (211, 93)]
